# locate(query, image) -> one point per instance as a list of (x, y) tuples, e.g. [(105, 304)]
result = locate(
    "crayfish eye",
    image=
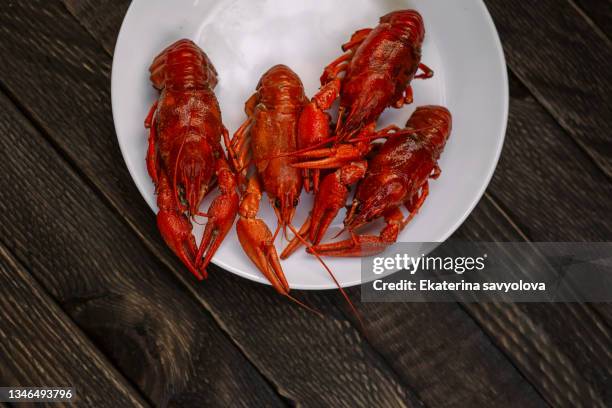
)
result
[(181, 196), (295, 202), (277, 203)]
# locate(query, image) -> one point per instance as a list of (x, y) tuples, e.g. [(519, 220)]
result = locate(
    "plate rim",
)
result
[(500, 58)]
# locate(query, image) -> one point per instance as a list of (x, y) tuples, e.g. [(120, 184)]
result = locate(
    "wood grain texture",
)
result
[(547, 185), (563, 349), (101, 18), (554, 50), (335, 363), (600, 12), (545, 182), (445, 356), (475, 378), (41, 346), (110, 285), (149, 327), (336, 351), (275, 365)]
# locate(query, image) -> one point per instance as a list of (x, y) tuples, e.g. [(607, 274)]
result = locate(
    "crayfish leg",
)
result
[(427, 72), (333, 70), (405, 99), (356, 39), (328, 201), (221, 215), (415, 203), (257, 240), (365, 245), (238, 150), (152, 159)]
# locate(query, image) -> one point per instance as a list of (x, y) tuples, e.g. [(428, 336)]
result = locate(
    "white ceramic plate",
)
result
[(244, 38)]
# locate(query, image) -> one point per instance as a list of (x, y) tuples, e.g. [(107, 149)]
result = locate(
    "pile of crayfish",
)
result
[(289, 142)]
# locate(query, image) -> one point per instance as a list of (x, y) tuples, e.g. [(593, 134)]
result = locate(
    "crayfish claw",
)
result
[(365, 245), (356, 246), (256, 240), (221, 215), (176, 230), (174, 226)]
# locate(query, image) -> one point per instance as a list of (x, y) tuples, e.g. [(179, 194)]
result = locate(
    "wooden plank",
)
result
[(334, 347), (545, 182), (243, 331), (264, 361), (437, 385), (600, 12), (102, 18), (148, 326), (531, 188), (41, 346), (329, 352), (564, 198), (109, 283), (556, 53), (417, 340), (563, 349), (446, 357)]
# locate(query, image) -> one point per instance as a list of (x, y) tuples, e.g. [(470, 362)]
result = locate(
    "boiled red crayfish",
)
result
[(378, 66), (266, 139), (397, 175), (185, 158), (272, 112)]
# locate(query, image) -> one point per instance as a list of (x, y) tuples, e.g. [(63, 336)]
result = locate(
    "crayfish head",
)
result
[(193, 173), (375, 195), (364, 108)]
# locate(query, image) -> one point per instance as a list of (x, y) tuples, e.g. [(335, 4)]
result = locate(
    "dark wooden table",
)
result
[(91, 297)]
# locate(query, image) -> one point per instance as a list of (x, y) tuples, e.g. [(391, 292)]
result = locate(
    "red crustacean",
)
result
[(271, 128), (397, 175), (378, 67), (266, 139), (185, 158)]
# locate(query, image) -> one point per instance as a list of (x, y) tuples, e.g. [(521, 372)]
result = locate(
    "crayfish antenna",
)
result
[(278, 228), (344, 294), (350, 138), (339, 233), (295, 243), (305, 306), (388, 132), (301, 151)]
